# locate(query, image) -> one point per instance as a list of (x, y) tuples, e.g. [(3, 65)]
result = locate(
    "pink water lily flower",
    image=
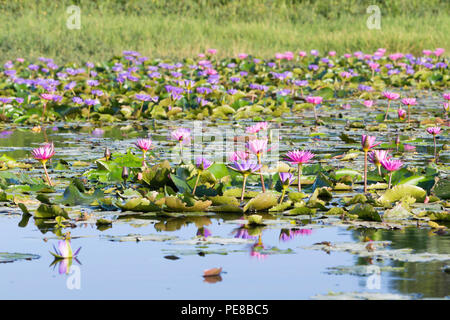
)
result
[(257, 146), (257, 127), (434, 130), (43, 153), (144, 144), (182, 135), (47, 96), (368, 103), (391, 166), (239, 155), (314, 100), (368, 142), (409, 102), (299, 158), (401, 114), (390, 95), (446, 96), (376, 156)]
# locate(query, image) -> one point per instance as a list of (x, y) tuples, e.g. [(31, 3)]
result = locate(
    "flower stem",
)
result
[(365, 171), (409, 114), (435, 153), (299, 177), (387, 110), (196, 182), (46, 175), (260, 173), (282, 195), (243, 187), (390, 180)]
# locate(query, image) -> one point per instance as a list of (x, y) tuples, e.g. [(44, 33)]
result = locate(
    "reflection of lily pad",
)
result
[(138, 237)]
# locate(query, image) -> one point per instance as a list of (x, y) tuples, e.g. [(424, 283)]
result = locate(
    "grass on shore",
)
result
[(36, 31)]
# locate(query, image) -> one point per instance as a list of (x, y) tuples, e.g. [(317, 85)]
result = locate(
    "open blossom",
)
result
[(368, 103), (314, 100), (401, 114), (257, 146), (144, 144), (286, 178), (409, 101), (446, 96), (257, 127), (47, 96), (182, 135), (391, 165), (245, 166), (299, 157), (434, 130), (390, 95), (43, 153), (368, 142), (202, 163), (64, 250), (239, 155), (377, 156)]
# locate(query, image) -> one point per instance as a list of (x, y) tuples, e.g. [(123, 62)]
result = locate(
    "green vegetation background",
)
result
[(177, 28)]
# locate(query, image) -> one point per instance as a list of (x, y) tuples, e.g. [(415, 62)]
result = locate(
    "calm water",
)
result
[(141, 270)]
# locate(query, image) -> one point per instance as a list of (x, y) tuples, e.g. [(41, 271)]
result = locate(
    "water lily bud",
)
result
[(125, 173), (107, 154)]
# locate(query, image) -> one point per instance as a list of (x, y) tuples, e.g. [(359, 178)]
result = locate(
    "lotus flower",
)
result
[(315, 101), (367, 143), (183, 136), (391, 166), (401, 114), (202, 164), (377, 156), (239, 155), (368, 103), (257, 127), (43, 154), (434, 131), (64, 250), (245, 168), (287, 179), (144, 145), (446, 96), (390, 96), (409, 102), (299, 158), (258, 146)]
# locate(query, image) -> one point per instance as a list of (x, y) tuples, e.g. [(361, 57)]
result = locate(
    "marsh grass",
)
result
[(173, 29)]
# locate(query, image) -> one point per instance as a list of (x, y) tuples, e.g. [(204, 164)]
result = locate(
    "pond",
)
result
[(147, 255)]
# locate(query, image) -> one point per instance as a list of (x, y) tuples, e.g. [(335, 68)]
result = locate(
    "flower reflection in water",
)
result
[(256, 250), (64, 265), (289, 234)]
